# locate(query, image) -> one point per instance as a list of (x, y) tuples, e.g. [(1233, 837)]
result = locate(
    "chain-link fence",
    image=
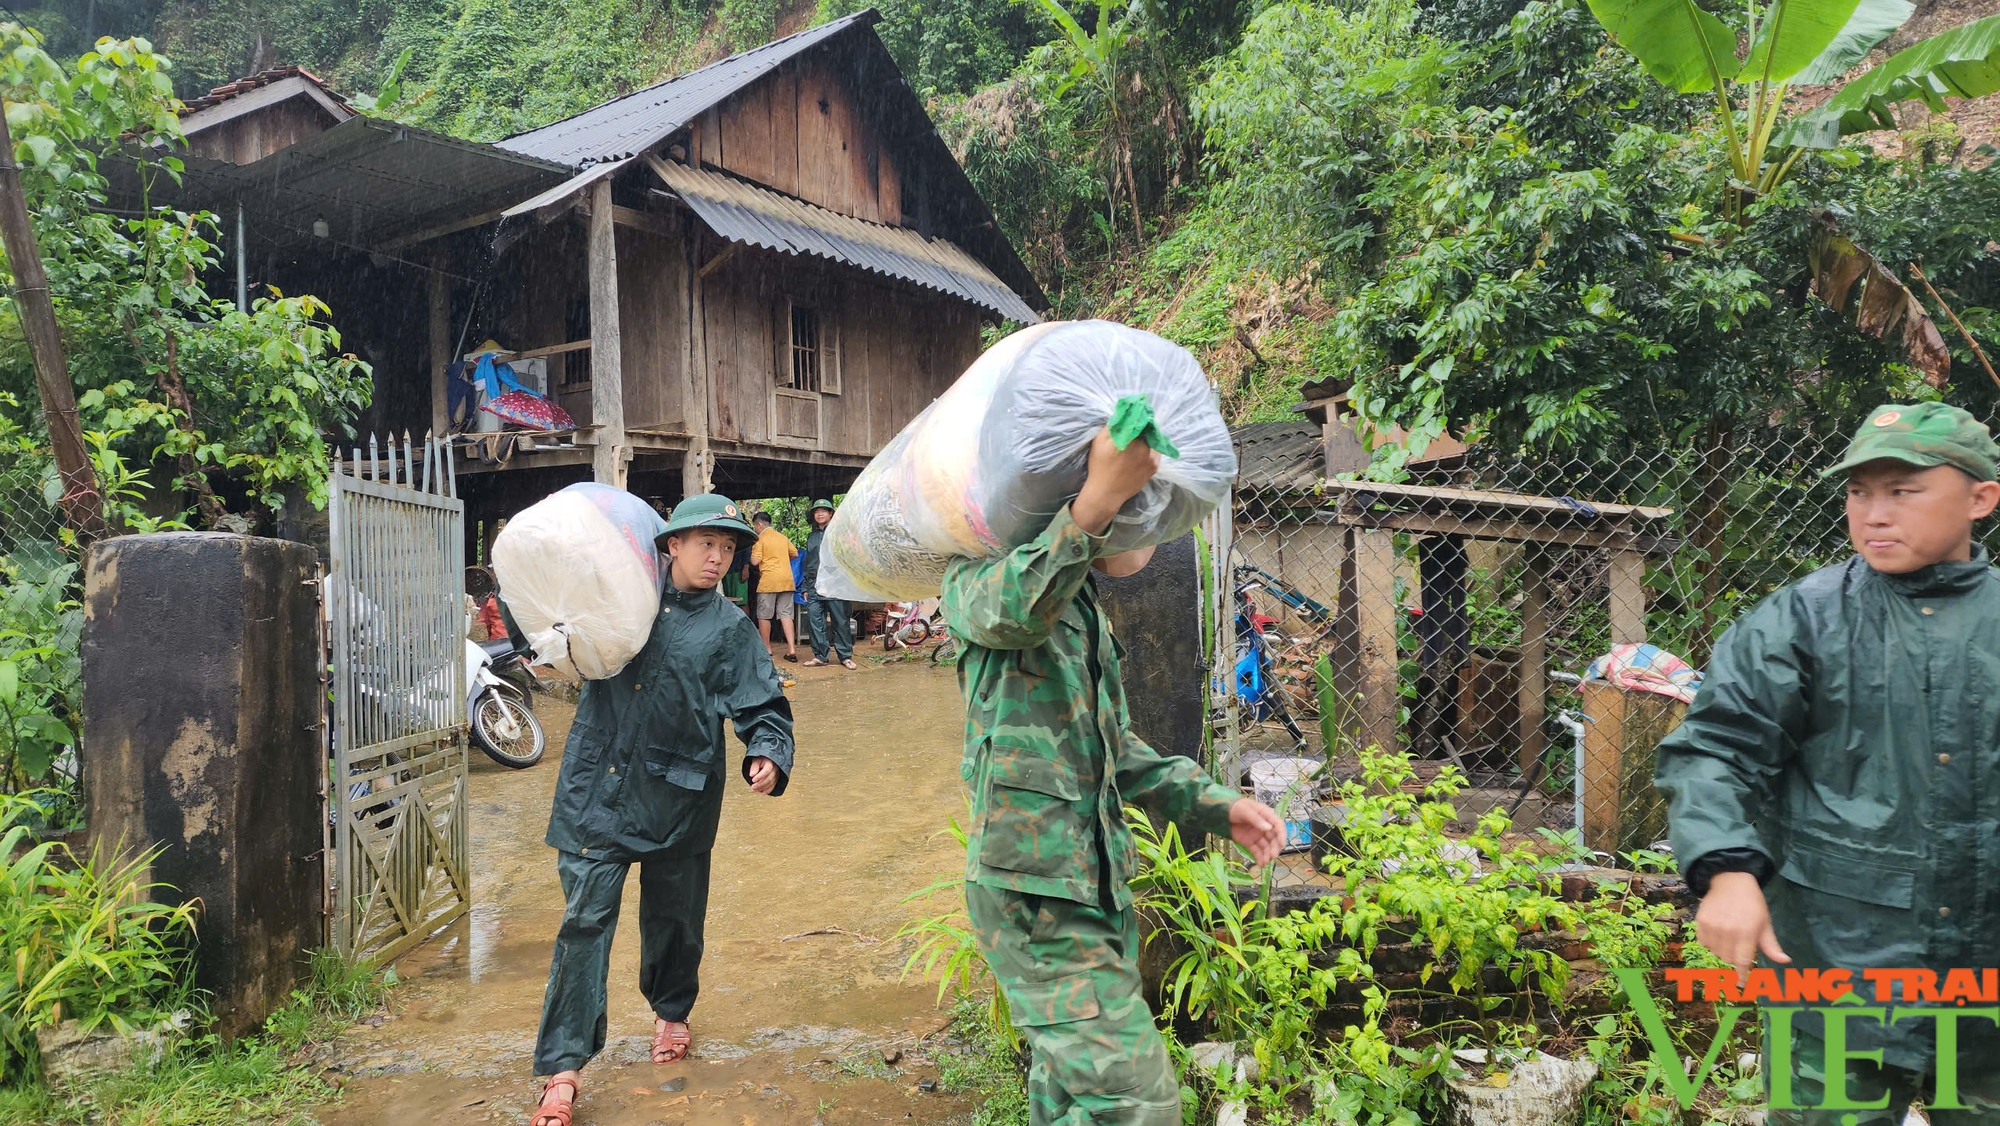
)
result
[(1536, 622), (41, 625)]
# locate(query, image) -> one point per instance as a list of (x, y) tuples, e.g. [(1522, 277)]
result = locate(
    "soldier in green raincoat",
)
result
[(1834, 792), (641, 783), (1052, 763)]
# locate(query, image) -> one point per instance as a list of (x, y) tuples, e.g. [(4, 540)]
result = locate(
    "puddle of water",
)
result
[(801, 989)]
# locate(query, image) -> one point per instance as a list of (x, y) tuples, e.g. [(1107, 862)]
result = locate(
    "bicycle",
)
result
[(907, 628), (946, 650)]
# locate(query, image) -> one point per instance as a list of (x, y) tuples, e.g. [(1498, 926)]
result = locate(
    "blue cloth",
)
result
[(498, 379), (798, 580)]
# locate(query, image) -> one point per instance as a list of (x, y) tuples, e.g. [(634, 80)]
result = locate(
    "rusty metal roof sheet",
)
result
[(744, 212), (625, 126)]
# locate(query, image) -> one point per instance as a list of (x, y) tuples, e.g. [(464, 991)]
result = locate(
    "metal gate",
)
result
[(395, 608)]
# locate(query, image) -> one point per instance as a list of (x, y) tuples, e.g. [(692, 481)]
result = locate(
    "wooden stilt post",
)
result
[(441, 343), (607, 386)]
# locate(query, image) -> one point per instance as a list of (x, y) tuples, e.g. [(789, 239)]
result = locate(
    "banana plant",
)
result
[(1798, 43), (1812, 43), (385, 99)]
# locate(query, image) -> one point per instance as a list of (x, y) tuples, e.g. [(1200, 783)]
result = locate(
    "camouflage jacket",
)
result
[(1849, 729), (642, 772), (1049, 755)]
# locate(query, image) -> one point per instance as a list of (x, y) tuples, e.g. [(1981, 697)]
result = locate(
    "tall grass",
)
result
[(82, 945), (82, 942)]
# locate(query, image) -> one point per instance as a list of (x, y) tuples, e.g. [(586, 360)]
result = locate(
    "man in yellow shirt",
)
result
[(772, 556)]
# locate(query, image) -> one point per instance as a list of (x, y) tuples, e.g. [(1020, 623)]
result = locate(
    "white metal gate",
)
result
[(395, 605)]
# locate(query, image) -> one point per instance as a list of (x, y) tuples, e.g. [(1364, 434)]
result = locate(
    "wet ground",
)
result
[(803, 1018)]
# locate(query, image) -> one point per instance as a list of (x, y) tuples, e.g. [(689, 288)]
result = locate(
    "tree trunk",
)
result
[(82, 505), (175, 389)]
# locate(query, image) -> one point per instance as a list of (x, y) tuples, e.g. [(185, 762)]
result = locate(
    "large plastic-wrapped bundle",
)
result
[(581, 572), (983, 469)]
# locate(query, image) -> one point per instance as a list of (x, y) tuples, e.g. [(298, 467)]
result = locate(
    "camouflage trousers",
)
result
[(1070, 973), (1868, 1081)]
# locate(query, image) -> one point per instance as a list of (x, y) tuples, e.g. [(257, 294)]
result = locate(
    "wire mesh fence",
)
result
[(1536, 623), (40, 630)]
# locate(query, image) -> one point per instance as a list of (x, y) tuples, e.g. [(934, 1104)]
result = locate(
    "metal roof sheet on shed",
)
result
[(743, 212), (369, 181), (623, 127)]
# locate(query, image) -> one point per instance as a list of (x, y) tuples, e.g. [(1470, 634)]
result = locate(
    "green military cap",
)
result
[(819, 504), (709, 510), (1925, 435)]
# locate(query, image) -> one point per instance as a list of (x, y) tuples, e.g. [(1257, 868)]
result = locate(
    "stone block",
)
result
[(202, 735)]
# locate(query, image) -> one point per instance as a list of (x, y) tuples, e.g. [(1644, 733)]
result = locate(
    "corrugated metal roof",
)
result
[(623, 127), (1282, 457), (743, 212), (370, 181)]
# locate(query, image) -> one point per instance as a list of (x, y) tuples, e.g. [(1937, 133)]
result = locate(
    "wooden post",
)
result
[(441, 343), (696, 470), (607, 385), (1621, 809), (81, 503), (1534, 653), (1375, 619), (1627, 579)]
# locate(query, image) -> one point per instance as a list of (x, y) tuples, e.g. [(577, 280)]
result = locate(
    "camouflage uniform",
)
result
[(1845, 748), (1051, 763)]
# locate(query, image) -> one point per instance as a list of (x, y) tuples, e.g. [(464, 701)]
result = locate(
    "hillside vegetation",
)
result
[(1486, 212)]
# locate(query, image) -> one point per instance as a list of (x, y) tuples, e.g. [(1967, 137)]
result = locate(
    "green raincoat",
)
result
[(641, 783), (1848, 729), (643, 769)]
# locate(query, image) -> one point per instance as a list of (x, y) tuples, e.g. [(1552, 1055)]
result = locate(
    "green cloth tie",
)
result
[(1132, 419)]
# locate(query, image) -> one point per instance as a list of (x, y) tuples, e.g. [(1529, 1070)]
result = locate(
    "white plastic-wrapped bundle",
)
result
[(983, 469), (581, 573)]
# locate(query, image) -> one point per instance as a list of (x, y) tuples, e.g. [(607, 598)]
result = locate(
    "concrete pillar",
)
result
[(202, 704)]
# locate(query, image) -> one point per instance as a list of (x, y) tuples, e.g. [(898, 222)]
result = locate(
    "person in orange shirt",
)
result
[(772, 556)]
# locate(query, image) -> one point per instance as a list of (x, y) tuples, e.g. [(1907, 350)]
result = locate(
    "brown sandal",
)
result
[(672, 1041), (559, 1115), (814, 663)]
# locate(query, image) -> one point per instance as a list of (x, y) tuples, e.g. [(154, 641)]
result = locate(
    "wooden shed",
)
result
[(746, 278)]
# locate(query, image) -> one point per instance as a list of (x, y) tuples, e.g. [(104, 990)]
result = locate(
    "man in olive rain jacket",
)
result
[(1843, 759), (641, 783)]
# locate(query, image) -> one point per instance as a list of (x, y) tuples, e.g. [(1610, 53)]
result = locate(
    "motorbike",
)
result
[(1256, 684), (500, 683)]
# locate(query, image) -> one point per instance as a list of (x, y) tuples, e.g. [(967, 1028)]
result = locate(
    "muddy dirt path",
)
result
[(792, 1027)]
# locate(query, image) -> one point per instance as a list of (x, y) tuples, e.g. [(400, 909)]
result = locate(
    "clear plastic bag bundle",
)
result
[(581, 572), (984, 468)]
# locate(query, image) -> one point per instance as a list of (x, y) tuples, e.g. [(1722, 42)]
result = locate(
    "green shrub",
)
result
[(83, 943)]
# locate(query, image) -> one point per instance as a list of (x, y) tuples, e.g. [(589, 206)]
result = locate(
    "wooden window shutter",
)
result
[(781, 339), (829, 355)]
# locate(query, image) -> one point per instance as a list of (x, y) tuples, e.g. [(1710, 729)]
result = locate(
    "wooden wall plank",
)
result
[(746, 133), (711, 138), (652, 312), (785, 129), (719, 334), (889, 189), (858, 154), (818, 178)]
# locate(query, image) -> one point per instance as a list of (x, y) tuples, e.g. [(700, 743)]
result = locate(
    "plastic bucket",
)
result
[(1290, 786)]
